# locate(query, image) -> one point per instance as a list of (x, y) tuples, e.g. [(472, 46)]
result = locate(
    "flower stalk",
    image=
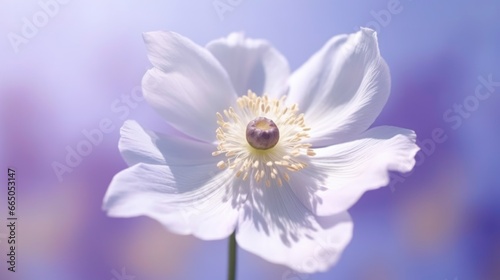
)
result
[(231, 273)]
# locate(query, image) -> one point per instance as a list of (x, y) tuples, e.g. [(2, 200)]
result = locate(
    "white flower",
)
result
[(286, 200)]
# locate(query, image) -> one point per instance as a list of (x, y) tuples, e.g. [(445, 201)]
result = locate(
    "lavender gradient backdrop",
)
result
[(441, 222)]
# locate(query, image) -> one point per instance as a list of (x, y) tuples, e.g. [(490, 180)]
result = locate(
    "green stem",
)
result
[(231, 273)]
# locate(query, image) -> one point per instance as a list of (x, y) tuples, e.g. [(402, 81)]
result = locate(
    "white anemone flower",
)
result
[(277, 158)]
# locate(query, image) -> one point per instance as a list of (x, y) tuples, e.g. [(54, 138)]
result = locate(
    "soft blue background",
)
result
[(441, 222)]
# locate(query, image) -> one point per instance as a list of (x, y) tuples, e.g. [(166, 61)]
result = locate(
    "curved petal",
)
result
[(252, 64), (276, 226), (138, 145), (187, 85), (339, 175), (342, 88), (196, 200)]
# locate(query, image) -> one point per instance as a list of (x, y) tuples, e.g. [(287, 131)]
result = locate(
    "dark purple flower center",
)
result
[(262, 133)]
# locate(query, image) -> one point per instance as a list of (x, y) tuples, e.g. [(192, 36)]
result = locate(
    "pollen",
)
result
[(262, 139)]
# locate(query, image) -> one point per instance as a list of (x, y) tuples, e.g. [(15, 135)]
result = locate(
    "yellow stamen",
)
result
[(264, 166)]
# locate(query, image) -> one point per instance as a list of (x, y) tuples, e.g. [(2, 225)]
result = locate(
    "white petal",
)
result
[(342, 88), (187, 85), (277, 227), (252, 64), (339, 175), (139, 145), (194, 200)]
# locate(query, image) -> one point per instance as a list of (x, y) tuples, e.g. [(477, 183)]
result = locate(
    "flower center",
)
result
[(253, 145), (262, 133)]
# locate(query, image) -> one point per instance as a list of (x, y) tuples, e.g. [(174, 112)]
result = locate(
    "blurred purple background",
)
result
[(85, 58)]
